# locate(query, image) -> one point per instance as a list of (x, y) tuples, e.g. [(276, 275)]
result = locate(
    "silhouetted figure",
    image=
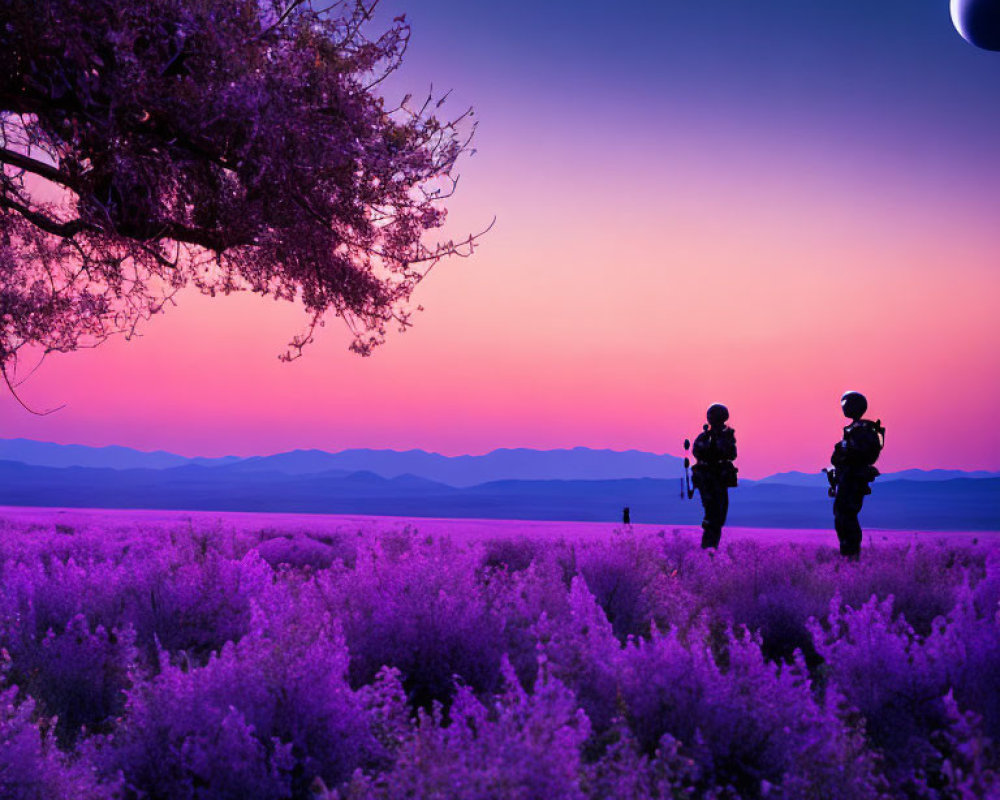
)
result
[(853, 461), (626, 516), (715, 473)]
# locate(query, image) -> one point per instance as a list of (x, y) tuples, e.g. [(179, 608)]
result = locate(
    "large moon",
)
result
[(978, 21)]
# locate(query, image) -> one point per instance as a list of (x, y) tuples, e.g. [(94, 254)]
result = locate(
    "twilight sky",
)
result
[(762, 204)]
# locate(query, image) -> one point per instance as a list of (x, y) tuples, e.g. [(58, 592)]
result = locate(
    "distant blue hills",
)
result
[(49, 454), (920, 475), (519, 463), (572, 484), (578, 463)]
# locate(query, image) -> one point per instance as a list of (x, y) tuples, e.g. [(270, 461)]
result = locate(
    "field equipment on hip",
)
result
[(831, 478), (687, 478)]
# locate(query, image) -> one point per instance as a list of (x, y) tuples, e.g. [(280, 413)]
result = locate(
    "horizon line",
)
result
[(442, 455)]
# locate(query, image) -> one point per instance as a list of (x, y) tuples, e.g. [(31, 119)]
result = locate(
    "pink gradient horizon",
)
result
[(710, 253)]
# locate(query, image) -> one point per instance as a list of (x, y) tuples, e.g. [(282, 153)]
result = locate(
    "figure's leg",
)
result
[(710, 537), (846, 508), (857, 535), (711, 525)]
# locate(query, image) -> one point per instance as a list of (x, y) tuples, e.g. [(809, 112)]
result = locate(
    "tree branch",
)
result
[(64, 230), (37, 167), (12, 387), (281, 19), (215, 241)]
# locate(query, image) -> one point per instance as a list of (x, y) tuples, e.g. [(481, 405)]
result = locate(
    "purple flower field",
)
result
[(171, 655)]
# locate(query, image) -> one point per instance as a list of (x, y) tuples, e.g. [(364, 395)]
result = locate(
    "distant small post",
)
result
[(626, 516)]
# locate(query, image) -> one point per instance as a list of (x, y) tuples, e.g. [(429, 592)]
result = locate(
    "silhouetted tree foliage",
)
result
[(232, 145)]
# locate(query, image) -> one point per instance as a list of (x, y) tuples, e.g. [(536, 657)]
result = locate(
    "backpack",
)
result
[(713, 446), (864, 440)]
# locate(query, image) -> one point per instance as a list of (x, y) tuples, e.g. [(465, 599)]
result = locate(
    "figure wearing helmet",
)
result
[(853, 460), (715, 473)]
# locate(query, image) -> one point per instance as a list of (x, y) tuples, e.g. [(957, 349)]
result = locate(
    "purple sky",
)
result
[(762, 204)]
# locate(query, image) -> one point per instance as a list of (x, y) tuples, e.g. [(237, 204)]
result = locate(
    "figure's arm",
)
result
[(840, 450), (701, 449), (857, 445)]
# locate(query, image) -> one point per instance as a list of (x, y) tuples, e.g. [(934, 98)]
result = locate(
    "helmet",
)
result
[(854, 404), (717, 414)]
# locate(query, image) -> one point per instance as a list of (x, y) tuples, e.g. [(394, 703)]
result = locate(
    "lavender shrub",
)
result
[(207, 661), (31, 765)]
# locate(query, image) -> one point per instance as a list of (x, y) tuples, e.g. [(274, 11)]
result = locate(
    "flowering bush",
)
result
[(198, 661), (630, 582), (422, 613), (263, 718), (32, 767), (520, 745)]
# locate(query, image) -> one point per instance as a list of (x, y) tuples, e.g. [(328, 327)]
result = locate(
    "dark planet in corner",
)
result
[(978, 21)]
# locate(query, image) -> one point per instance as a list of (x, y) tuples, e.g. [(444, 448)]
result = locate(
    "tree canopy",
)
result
[(232, 145)]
